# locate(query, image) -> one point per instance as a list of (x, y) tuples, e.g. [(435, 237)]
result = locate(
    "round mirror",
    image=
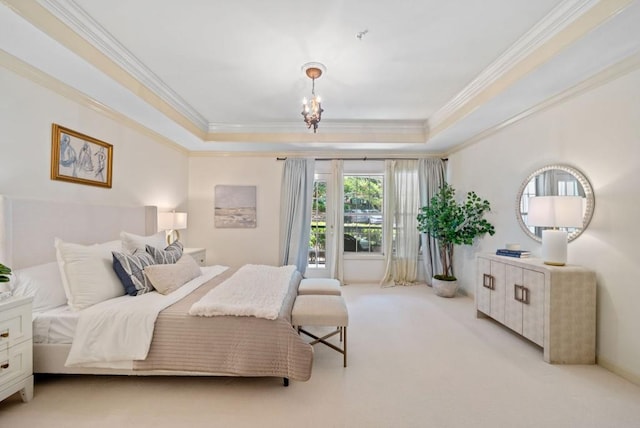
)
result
[(555, 180)]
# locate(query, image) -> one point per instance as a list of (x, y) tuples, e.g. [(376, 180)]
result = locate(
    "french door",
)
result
[(322, 227)]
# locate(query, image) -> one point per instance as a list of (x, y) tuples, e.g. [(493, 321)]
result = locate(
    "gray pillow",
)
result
[(169, 255)]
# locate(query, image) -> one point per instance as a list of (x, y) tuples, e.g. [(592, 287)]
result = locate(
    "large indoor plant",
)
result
[(452, 223)]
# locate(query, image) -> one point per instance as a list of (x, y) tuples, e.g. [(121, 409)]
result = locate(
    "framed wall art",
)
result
[(79, 158), (235, 206)]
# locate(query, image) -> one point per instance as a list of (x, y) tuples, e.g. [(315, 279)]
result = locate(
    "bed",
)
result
[(181, 344)]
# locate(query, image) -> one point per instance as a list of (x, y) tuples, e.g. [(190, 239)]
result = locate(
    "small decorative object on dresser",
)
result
[(16, 348), (554, 307), (199, 254)]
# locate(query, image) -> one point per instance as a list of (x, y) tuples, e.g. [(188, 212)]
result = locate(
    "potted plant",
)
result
[(451, 223), (4, 275)]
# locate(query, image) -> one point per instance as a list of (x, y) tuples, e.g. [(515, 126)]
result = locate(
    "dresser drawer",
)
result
[(16, 363), (15, 325)]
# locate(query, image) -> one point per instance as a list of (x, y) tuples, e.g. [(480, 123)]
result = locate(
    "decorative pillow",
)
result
[(166, 278), (87, 272), (131, 242), (129, 268), (43, 283), (169, 255)]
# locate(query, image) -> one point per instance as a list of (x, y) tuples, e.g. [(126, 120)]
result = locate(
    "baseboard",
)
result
[(631, 377)]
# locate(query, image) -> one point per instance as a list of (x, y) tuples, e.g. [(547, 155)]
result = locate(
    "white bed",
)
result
[(27, 232)]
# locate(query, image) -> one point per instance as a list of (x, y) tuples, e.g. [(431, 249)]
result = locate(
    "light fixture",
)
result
[(171, 222), (555, 212), (312, 109)]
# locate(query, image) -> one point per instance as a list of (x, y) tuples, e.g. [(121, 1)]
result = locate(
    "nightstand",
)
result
[(16, 348), (199, 254)]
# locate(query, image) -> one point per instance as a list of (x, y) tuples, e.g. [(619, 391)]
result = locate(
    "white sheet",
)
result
[(254, 290), (120, 330), (57, 325)]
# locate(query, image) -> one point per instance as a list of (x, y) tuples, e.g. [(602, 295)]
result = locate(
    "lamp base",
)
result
[(172, 236), (554, 247)]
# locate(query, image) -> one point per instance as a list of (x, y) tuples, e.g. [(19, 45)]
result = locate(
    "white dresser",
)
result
[(552, 306), (199, 254), (16, 348)]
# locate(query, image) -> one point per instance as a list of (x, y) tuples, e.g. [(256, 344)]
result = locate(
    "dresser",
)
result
[(552, 306), (199, 254), (16, 348)]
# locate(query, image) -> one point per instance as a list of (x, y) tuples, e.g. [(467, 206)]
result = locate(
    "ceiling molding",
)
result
[(74, 17), (567, 22), (355, 155), (614, 72), (45, 80)]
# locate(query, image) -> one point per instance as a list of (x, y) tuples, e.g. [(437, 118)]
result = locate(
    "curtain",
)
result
[(335, 224), (430, 178), (295, 212), (400, 223)]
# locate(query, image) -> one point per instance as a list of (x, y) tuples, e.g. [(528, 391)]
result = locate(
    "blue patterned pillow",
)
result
[(130, 270), (169, 255)]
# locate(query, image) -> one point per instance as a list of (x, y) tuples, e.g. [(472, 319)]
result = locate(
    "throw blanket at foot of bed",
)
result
[(253, 291)]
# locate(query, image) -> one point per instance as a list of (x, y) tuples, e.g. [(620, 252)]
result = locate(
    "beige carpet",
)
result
[(415, 360)]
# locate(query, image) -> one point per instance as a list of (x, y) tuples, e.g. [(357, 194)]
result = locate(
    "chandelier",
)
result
[(312, 109)]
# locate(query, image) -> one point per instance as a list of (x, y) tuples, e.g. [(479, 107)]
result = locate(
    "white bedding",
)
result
[(119, 330), (56, 325), (254, 290)]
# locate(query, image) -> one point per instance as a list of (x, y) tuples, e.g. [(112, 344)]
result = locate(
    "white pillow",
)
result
[(131, 242), (166, 278), (43, 283), (87, 272)]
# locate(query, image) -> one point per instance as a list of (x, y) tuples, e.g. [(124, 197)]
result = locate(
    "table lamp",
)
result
[(555, 212), (172, 222)]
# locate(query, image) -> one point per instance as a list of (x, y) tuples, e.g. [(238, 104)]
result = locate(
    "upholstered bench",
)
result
[(319, 286), (322, 311)]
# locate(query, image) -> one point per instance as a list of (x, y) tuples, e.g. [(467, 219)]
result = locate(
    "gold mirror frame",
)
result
[(579, 177)]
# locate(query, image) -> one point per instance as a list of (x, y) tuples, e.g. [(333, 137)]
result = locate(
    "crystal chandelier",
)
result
[(312, 109)]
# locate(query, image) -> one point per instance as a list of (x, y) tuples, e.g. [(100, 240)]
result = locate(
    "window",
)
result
[(318, 237), (363, 213)]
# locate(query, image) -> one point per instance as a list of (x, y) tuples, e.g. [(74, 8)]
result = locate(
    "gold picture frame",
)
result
[(79, 158)]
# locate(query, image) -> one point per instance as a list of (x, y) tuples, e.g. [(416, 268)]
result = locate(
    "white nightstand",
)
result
[(16, 348), (199, 254)]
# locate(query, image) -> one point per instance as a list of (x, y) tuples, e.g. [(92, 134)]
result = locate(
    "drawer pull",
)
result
[(4, 365), (523, 296), (487, 281), (4, 334)]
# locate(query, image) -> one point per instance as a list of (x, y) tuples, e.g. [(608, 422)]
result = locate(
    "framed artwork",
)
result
[(78, 158), (235, 206)]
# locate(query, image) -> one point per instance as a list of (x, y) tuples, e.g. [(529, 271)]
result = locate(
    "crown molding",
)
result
[(610, 74), (45, 80), (535, 47), (74, 17), (400, 127)]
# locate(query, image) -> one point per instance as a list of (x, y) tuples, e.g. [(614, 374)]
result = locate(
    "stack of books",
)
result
[(513, 253)]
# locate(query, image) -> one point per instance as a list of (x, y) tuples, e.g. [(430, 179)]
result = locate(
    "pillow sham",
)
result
[(169, 255), (43, 283), (87, 272), (129, 268), (166, 278), (132, 242)]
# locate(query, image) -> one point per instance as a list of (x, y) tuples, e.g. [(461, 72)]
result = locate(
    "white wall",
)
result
[(597, 132), (234, 247), (145, 171)]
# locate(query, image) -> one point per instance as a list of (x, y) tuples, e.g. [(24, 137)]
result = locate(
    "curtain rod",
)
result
[(364, 159)]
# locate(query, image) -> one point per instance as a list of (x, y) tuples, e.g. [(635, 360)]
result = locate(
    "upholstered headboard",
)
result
[(28, 227)]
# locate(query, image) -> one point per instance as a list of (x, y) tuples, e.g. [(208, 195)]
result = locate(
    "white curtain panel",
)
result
[(295, 212), (431, 173), (402, 195), (335, 225)]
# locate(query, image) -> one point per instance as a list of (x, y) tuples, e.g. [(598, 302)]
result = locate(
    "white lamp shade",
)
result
[(172, 221), (555, 211)]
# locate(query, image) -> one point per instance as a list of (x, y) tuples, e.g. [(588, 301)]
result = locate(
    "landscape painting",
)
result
[(235, 207)]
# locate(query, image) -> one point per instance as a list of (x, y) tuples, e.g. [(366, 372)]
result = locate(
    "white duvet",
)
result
[(117, 331)]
